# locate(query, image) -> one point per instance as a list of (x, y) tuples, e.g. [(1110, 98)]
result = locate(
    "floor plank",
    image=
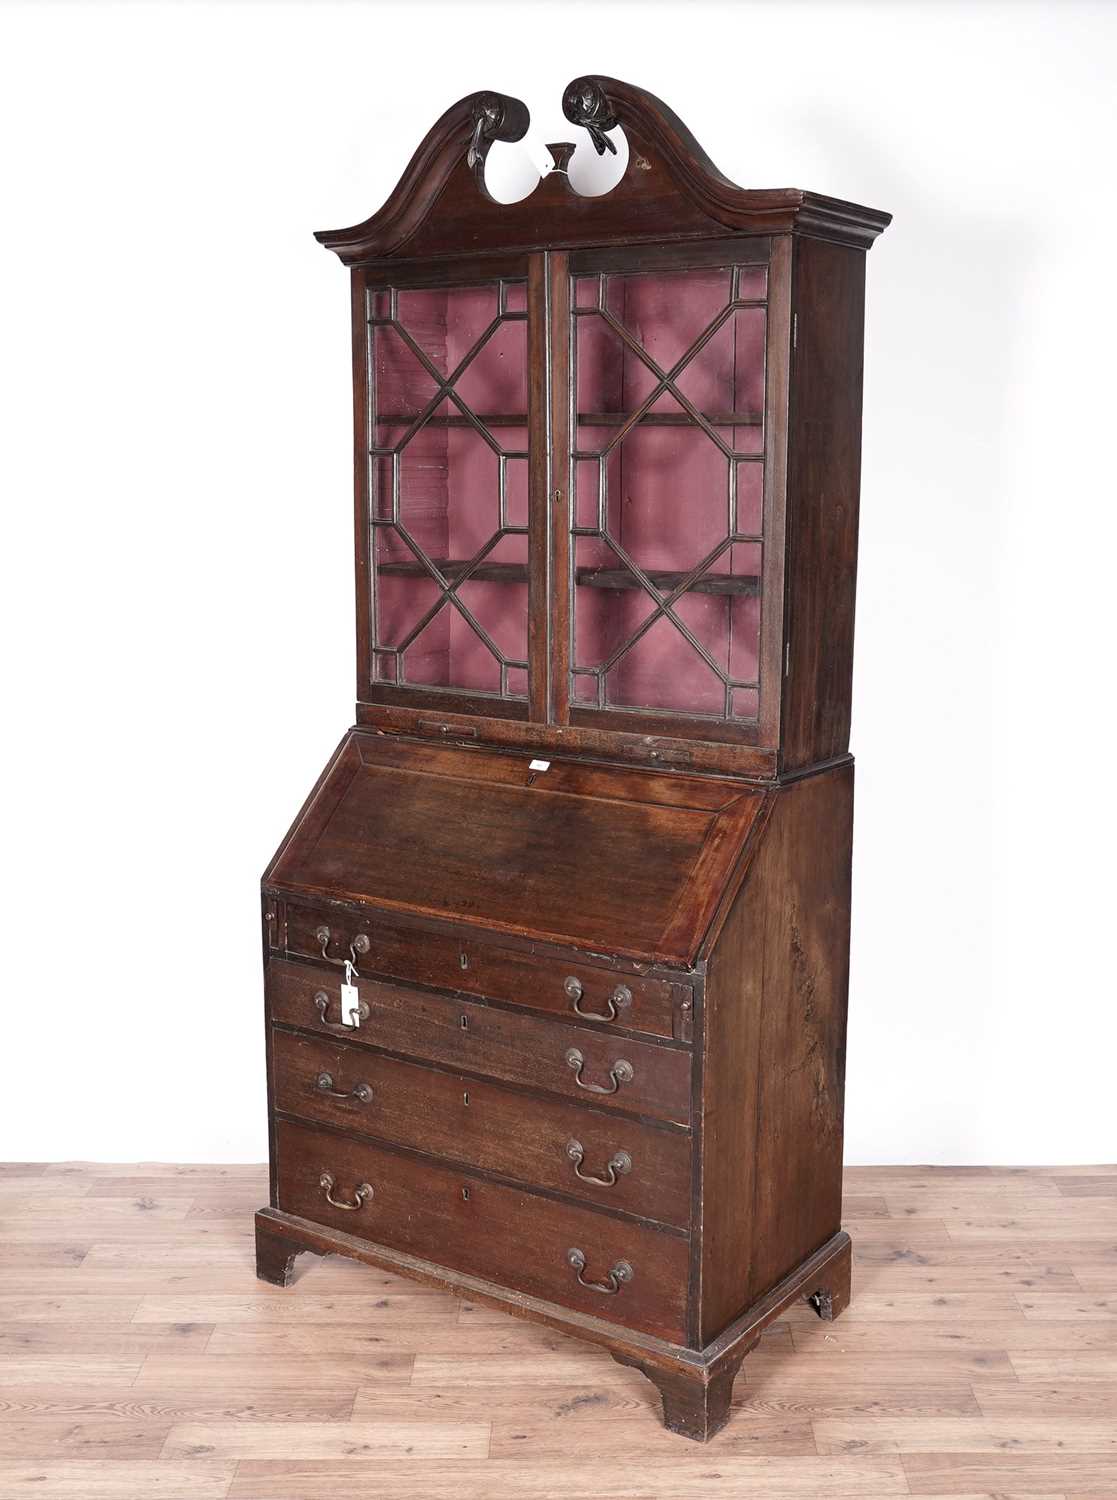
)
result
[(946, 1204), (188, 1403), (261, 1307), (1063, 1306), (907, 1307), (72, 1311), (576, 1405), (691, 1477), (1063, 1230), (1031, 1434), (133, 1227), (16, 1190), (63, 1437), (269, 1341), (74, 1209), (981, 1473), (1096, 1278), (38, 1253), (99, 1479), (1071, 1398), (638, 1437), (1027, 1335), (196, 1184), (1087, 1364), (252, 1172), (822, 1359), (329, 1440), (1088, 1187), (268, 1374), (906, 1277), (88, 1375), (103, 1340), (1021, 1252)]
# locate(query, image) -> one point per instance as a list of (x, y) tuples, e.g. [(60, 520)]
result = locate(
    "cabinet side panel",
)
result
[(730, 1095), (361, 562), (824, 483), (775, 1053)]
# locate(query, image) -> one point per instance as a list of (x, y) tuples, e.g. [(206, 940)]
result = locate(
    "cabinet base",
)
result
[(696, 1384)]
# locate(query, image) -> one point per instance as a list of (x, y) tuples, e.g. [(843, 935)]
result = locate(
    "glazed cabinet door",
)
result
[(677, 397), (444, 425)]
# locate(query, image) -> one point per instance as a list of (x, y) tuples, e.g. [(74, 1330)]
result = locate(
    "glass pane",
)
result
[(515, 296), (668, 484), (726, 377), (515, 491), (588, 481), (425, 662), (495, 594), (447, 322), (472, 664), (403, 599), (609, 603), (448, 487), (401, 385), (662, 670), (665, 313), (746, 703), (750, 499), (494, 382)]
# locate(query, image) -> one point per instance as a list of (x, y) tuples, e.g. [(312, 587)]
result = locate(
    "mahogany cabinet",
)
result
[(556, 952)]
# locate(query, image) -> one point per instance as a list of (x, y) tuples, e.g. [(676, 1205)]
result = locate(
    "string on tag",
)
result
[(350, 998)]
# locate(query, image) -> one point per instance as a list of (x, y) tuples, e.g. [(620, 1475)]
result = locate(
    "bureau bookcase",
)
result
[(556, 952)]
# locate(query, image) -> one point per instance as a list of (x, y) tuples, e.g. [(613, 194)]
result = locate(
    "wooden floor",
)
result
[(140, 1357)]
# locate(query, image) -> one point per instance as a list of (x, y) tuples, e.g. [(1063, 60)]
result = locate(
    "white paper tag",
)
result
[(350, 1005), (540, 765)]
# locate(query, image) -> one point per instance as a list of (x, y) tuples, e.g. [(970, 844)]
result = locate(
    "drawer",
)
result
[(453, 962), (613, 1072), (502, 1234), (611, 1161)]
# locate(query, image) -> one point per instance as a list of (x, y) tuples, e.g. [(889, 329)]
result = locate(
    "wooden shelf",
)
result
[(586, 419), (594, 578), (671, 419), (488, 419), (711, 583), (486, 572)]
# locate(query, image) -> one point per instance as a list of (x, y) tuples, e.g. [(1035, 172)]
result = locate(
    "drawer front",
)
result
[(450, 962), (613, 1072), (608, 1160), (502, 1234)]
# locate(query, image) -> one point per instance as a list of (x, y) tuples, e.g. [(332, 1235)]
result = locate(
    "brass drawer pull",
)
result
[(619, 1000), (620, 1072), (322, 1005), (360, 1091), (616, 1278), (618, 1164), (360, 945), (362, 1194)]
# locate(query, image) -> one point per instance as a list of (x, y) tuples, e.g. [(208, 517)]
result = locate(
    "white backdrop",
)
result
[(177, 595)]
